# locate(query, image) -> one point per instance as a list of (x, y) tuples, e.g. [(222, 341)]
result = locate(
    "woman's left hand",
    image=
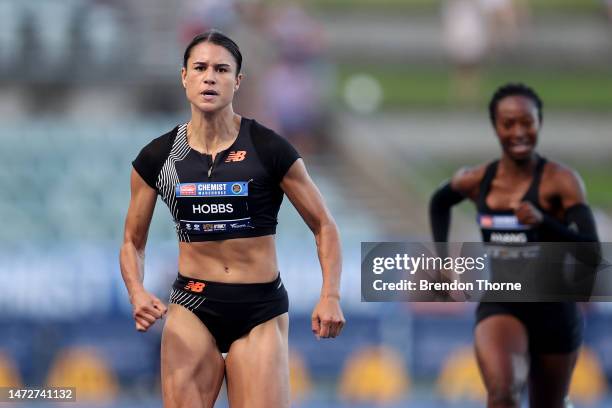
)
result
[(527, 214), (327, 318)]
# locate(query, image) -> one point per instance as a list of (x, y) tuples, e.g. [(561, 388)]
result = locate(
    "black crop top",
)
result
[(502, 226), (236, 196)]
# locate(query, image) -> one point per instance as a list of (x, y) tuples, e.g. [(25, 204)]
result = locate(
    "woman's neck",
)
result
[(208, 132), (515, 167)]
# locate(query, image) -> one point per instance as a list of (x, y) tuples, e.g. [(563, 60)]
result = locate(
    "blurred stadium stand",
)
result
[(374, 375), (9, 375), (300, 379), (589, 384), (86, 83), (460, 378), (86, 370)]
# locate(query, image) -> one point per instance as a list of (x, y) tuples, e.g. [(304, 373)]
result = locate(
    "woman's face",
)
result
[(517, 126), (210, 78)]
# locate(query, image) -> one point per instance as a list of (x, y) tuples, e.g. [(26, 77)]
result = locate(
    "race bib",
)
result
[(206, 208)]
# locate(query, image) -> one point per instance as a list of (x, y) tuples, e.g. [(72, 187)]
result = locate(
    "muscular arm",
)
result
[(147, 308), (579, 222), (464, 184), (579, 225), (138, 219), (308, 201), (443, 199)]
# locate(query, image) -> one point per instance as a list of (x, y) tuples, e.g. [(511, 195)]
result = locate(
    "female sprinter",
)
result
[(532, 199), (223, 177)]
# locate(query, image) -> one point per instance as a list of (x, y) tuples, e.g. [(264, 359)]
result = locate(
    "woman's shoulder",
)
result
[(261, 131), (564, 179), (467, 179), (557, 169), (276, 153), (267, 140), (152, 156)]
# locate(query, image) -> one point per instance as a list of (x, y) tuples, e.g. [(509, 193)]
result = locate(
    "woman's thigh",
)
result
[(257, 366), (192, 368), (502, 351)]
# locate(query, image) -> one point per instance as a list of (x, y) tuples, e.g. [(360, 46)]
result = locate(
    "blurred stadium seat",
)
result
[(589, 383), (460, 378), (374, 375), (84, 369), (299, 377), (9, 376)]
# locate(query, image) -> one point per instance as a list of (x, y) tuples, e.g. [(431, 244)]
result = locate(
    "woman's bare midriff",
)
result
[(240, 260)]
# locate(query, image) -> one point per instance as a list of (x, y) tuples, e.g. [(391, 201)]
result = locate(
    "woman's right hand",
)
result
[(146, 309)]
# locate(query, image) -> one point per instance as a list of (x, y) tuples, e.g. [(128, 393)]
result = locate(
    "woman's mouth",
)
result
[(209, 94), (520, 148)]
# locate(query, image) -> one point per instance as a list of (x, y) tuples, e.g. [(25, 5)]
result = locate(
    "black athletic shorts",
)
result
[(552, 327), (230, 310)]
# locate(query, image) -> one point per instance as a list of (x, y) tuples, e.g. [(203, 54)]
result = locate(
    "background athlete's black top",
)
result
[(236, 196), (502, 226), (513, 248)]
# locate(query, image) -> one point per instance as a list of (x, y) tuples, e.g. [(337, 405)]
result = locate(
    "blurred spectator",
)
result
[(466, 42), (260, 55), (296, 34), (11, 40), (608, 6), (101, 31), (472, 30), (55, 32), (202, 15), (504, 20), (51, 23), (295, 85), (291, 90)]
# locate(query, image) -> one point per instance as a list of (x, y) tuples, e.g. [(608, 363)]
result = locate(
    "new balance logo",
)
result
[(236, 156), (195, 286)]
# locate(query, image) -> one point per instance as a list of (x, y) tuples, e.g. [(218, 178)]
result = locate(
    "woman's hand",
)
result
[(146, 309), (527, 214), (327, 318)]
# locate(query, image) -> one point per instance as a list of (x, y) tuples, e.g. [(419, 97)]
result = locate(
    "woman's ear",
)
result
[(238, 80), (183, 77)]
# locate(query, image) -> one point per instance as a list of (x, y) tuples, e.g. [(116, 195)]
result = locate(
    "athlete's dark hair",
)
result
[(513, 89), (218, 38)]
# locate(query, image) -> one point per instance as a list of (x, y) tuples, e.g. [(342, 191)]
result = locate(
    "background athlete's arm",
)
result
[(579, 225), (464, 184), (327, 317), (146, 307)]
